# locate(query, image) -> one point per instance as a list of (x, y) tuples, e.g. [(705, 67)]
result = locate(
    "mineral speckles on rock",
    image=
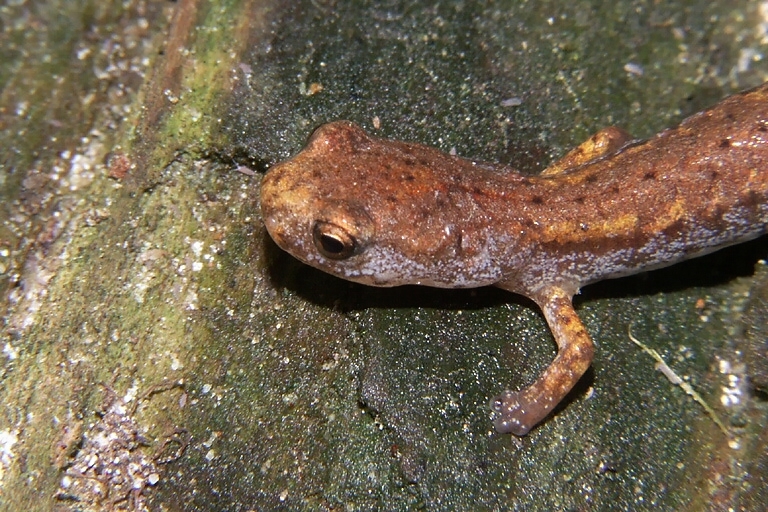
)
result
[(116, 465)]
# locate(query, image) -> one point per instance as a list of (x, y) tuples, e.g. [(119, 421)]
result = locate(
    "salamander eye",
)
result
[(332, 241)]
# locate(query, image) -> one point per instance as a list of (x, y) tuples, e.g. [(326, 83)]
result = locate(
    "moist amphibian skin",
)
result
[(387, 213)]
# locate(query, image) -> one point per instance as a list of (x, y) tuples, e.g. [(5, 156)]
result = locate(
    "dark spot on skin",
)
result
[(674, 229), (410, 162), (580, 200), (729, 116), (592, 178), (615, 189), (537, 200), (422, 214), (650, 175), (409, 177), (725, 143), (718, 212), (391, 199), (752, 200), (277, 179), (424, 163), (714, 175)]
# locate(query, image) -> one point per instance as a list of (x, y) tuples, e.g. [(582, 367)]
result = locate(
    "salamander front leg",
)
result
[(603, 143), (520, 411)]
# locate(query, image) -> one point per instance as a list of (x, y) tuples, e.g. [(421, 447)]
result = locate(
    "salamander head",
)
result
[(365, 210)]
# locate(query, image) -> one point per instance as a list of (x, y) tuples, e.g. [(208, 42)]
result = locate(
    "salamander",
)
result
[(389, 213)]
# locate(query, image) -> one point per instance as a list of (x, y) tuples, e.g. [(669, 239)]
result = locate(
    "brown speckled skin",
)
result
[(389, 213)]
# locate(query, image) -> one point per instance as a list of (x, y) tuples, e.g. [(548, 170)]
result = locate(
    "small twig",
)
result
[(182, 438), (154, 389), (670, 374)]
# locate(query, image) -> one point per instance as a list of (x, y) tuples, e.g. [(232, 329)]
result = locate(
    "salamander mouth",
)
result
[(273, 228)]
